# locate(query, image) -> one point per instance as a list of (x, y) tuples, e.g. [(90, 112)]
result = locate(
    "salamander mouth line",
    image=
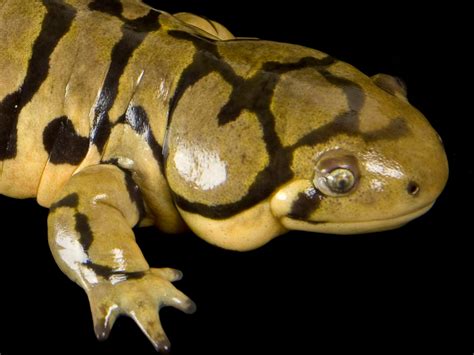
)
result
[(396, 220)]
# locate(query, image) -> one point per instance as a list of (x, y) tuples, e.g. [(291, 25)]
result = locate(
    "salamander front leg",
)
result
[(91, 238)]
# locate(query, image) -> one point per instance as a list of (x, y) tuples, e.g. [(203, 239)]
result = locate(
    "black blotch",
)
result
[(111, 7), (84, 229), (137, 118), (62, 142), (305, 204), (56, 24), (71, 200)]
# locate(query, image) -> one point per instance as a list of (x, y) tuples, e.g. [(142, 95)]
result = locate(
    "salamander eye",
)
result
[(336, 173), (340, 181)]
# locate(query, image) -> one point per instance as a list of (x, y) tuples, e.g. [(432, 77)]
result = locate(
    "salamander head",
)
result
[(374, 165)]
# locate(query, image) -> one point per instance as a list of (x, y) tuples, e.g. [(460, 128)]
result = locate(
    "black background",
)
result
[(402, 291)]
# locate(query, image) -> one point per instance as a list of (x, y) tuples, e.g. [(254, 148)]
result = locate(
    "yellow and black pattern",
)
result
[(91, 238), (254, 95), (114, 114)]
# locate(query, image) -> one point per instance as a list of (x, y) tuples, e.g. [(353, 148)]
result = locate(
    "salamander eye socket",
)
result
[(391, 84), (336, 173)]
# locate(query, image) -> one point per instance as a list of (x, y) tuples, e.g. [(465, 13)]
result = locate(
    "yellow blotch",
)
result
[(209, 163)]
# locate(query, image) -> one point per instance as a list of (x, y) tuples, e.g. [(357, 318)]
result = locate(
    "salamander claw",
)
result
[(139, 298)]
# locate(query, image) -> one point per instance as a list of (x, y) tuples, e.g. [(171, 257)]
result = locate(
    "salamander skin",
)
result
[(115, 115)]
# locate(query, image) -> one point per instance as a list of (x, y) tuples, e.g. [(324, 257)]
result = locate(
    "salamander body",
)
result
[(115, 115)]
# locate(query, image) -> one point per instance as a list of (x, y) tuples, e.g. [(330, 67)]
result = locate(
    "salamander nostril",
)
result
[(413, 188)]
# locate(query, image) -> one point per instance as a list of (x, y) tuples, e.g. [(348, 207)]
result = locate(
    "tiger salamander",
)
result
[(115, 115)]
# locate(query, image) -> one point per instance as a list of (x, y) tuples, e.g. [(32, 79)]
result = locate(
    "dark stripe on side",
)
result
[(56, 24), (133, 34), (107, 272)]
